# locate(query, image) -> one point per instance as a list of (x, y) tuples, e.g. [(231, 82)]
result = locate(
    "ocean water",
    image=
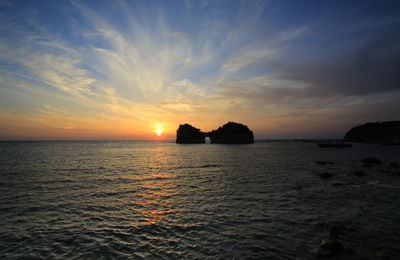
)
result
[(161, 200)]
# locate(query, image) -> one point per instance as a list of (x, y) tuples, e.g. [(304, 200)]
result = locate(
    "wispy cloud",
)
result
[(131, 65)]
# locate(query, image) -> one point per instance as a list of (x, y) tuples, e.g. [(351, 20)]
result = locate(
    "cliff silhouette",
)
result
[(187, 134), (230, 133), (380, 132)]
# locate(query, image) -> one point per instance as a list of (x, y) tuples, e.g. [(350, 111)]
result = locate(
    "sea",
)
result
[(162, 200)]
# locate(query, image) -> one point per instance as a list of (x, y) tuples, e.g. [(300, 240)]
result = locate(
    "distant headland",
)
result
[(230, 133), (380, 132)]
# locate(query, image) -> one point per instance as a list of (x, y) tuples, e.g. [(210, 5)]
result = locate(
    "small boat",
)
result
[(335, 144)]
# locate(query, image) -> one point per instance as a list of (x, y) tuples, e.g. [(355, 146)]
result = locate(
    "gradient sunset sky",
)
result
[(122, 69)]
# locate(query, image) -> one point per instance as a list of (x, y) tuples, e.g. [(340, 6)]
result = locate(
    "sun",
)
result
[(159, 130)]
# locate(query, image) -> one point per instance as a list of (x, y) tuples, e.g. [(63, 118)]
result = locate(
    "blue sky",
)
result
[(122, 69)]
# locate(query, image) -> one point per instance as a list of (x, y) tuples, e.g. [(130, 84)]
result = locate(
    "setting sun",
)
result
[(159, 131)]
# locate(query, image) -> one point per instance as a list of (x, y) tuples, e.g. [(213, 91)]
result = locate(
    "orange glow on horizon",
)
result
[(51, 124)]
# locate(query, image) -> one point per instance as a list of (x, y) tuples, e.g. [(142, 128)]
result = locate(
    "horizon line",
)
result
[(120, 140)]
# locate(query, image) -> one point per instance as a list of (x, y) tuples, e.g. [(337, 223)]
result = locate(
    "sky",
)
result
[(129, 69)]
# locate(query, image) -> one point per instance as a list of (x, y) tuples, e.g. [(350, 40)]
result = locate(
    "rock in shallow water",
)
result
[(337, 184), (336, 229), (326, 175), (394, 165), (381, 255), (371, 161), (330, 247), (359, 173), (323, 162)]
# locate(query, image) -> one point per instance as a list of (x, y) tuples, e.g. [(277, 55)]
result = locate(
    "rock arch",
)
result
[(230, 133)]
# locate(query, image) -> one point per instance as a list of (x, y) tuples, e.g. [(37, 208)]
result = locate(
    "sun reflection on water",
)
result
[(156, 196)]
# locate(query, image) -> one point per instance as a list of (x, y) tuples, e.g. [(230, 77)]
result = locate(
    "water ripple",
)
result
[(140, 200)]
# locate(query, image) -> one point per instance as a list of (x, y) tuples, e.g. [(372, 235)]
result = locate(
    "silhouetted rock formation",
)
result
[(230, 133), (384, 132), (187, 134)]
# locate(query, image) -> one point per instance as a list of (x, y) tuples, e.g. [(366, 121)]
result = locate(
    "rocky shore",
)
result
[(380, 132), (342, 238)]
